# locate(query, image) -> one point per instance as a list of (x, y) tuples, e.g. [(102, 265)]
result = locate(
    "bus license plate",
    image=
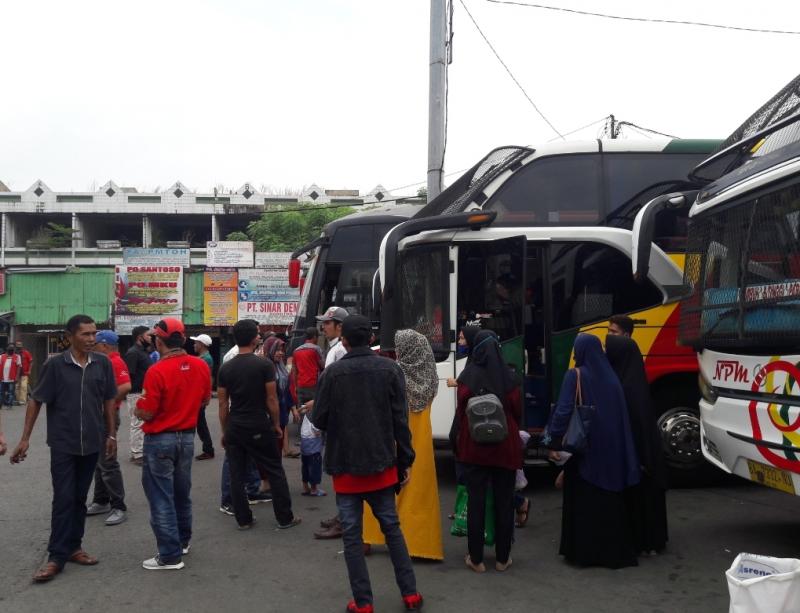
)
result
[(771, 476)]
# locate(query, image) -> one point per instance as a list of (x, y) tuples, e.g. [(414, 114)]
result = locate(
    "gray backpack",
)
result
[(487, 419)]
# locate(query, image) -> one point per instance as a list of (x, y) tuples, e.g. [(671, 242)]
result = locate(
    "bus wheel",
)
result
[(680, 432)]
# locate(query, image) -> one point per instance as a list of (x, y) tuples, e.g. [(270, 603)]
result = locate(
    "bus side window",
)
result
[(591, 282)]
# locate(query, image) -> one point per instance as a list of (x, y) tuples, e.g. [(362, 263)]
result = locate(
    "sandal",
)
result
[(522, 514), (478, 568)]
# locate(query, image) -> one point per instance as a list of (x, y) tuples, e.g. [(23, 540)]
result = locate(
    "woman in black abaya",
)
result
[(646, 501)]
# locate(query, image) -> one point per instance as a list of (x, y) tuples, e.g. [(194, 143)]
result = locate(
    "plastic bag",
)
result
[(762, 584), (459, 525)]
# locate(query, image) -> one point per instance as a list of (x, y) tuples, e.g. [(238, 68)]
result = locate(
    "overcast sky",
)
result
[(335, 92)]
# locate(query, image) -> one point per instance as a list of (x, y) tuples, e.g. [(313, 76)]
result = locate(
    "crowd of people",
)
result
[(369, 416)]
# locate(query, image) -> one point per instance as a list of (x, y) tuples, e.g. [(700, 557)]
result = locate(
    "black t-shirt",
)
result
[(244, 378)]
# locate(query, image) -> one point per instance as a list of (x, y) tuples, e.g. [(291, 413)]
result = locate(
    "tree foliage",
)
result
[(290, 230)]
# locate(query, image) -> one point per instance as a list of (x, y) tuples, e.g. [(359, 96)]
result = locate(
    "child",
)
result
[(311, 455)]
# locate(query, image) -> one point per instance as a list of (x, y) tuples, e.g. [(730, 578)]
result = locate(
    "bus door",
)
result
[(491, 293), (536, 318)]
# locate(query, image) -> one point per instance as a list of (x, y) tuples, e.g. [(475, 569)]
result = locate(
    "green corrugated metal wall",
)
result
[(50, 298)]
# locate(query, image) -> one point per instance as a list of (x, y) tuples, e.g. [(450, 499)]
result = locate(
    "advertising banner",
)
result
[(219, 297), (139, 256), (273, 259), (229, 254), (265, 295), (145, 294)]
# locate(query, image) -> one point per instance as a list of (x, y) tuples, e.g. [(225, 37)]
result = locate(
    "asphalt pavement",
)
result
[(267, 570)]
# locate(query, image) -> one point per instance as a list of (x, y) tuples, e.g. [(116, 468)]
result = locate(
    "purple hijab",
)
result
[(610, 462)]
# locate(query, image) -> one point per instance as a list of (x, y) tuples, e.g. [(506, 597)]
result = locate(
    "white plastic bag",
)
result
[(762, 584)]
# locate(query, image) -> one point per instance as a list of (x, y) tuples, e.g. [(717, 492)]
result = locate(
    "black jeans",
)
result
[(72, 477), (203, 432), (262, 446), (502, 481), (108, 486)]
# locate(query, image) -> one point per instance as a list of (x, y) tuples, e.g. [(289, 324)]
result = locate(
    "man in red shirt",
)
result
[(22, 384), (173, 389), (307, 364), (10, 371), (109, 491)]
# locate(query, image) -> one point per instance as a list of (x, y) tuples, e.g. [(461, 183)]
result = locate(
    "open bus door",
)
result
[(493, 291)]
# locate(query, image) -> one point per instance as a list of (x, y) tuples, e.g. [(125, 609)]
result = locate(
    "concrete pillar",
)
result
[(146, 234), (214, 228), (78, 232)]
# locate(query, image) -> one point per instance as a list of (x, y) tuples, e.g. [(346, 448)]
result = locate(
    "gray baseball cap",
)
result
[(334, 313)]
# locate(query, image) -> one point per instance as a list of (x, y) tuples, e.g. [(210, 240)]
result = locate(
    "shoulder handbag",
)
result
[(576, 438)]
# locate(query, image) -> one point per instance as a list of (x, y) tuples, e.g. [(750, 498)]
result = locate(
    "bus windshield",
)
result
[(743, 268), (423, 286)]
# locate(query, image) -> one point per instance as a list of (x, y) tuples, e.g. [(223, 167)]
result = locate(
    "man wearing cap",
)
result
[(173, 389), (109, 491), (78, 388), (331, 323), (361, 404), (202, 344)]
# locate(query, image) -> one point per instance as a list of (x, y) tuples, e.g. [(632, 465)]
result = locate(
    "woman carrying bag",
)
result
[(488, 464), (595, 529)]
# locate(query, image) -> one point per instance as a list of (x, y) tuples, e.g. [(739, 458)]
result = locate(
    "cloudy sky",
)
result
[(335, 92)]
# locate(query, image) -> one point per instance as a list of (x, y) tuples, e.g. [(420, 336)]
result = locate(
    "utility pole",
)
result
[(436, 97), (613, 129)]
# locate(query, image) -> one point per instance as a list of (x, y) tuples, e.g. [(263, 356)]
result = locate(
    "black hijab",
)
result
[(626, 360), (470, 332), (486, 372)]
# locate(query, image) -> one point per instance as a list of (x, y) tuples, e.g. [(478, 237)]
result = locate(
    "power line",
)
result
[(643, 19), (640, 128), (579, 129), (508, 70)]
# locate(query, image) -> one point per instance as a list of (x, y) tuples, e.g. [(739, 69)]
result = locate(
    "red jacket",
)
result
[(507, 454), (16, 365), (307, 363), (27, 360)]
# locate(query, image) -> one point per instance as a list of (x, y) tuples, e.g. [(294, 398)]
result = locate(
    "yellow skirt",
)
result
[(418, 501)]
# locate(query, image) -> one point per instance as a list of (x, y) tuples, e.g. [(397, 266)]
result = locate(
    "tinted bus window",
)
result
[(563, 190), (353, 243), (591, 282)]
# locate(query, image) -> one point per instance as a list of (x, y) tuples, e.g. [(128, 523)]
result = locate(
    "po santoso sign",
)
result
[(140, 256), (145, 294)]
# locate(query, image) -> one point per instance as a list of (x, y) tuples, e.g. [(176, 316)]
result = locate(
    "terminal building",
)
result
[(58, 250)]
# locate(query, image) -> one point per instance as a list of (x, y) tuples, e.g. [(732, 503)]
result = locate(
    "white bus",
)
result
[(742, 312)]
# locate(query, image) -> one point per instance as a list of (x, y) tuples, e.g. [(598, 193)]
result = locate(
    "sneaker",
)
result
[(247, 526), (98, 509), (155, 563), (352, 607), (117, 516), (295, 520), (185, 549), (226, 508), (259, 497), (413, 602), (204, 456)]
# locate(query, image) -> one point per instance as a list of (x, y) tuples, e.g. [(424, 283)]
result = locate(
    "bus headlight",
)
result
[(706, 389)]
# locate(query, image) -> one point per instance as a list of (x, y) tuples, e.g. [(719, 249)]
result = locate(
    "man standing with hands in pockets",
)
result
[(79, 390)]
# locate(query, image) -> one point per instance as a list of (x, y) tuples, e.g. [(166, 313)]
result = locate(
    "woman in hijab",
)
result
[(647, 503), (487, 465), (274, 352), (595, 530), (418, 501)]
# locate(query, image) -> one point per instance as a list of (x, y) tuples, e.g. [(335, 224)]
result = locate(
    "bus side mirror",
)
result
[(294, 273)]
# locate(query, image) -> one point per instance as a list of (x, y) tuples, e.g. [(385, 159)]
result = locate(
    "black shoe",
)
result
[(259, 497), (226, 508)]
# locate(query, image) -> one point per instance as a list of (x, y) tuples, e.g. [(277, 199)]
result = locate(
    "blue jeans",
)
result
[(351, 510), (167, 482), (252, 481), (7, 392), (311, 468)]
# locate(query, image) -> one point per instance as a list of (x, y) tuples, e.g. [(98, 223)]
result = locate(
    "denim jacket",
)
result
[(361, 404)]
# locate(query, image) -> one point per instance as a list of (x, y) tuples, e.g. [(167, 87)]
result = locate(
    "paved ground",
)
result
[(268, 570)]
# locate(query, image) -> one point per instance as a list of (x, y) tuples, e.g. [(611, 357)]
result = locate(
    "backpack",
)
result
[(487, 419)]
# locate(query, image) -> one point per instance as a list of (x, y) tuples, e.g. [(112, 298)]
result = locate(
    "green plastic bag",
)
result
[(459, 525)]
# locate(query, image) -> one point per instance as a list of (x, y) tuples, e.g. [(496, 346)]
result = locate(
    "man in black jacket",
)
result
[(138, 360), (361, 404)]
